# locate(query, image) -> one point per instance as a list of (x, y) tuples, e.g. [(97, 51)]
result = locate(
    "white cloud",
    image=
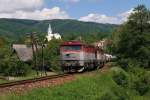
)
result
[(30, 9), (99, 18), (13, 5), (45, 13), (123, 16), (102, 18)]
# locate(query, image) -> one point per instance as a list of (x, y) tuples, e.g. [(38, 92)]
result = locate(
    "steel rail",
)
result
[(21, 82)]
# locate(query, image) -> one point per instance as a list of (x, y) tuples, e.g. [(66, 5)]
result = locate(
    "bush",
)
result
[(123, 63), (120, 78), (12, 66), (120, 93), (141, 86), (17, 68), (140, 80)]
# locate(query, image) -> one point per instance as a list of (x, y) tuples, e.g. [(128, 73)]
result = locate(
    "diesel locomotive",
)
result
[(77, 56)]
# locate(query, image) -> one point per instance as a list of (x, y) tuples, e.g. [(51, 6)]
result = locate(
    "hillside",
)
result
[(14, 28)]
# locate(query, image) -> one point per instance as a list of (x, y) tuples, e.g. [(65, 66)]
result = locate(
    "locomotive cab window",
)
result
[(71, 47)]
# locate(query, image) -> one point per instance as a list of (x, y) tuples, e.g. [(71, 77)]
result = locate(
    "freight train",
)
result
[(77, 56)]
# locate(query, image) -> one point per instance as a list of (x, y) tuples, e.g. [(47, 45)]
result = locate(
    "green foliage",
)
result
[(51, 55), (120, 78), (86, 37), (136, 79), (140, 80), (10, 65), (132, 39)]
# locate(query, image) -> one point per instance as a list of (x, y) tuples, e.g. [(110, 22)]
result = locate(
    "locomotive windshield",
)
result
[(71, 47)]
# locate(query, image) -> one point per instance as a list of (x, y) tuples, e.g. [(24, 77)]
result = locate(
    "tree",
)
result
[(10, 65), (51, 55), (132, 39)]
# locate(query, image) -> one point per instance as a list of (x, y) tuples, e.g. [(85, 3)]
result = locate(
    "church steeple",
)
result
[(50, 29), (52, 35)]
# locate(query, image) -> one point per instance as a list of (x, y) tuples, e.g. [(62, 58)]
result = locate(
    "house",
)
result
[(103, 43), (24, 52)]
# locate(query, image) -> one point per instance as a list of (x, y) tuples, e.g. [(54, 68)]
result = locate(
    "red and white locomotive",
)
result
[(77, 56)]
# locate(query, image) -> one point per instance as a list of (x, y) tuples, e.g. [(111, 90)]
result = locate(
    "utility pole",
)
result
[(43, 67), (43, 64)]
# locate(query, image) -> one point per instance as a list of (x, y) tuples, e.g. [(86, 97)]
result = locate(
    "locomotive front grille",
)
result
[(71, 66)]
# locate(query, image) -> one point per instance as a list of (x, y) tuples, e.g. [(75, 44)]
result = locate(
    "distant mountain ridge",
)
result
[(15, 28)]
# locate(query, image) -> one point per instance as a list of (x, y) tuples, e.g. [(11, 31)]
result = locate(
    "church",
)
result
[(52, 35)]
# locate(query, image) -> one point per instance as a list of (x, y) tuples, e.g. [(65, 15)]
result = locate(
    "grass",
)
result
[(32, 74), (3, 81), (95, 86)]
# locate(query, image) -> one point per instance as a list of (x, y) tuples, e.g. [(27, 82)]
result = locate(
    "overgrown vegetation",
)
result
[(10, 65), (131, 44), (132, 39)]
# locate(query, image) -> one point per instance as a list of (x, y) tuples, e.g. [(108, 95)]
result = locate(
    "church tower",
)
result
[(50, 29), (51, 35)]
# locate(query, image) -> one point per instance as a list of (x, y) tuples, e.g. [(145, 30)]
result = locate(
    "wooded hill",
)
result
[(14, 28)]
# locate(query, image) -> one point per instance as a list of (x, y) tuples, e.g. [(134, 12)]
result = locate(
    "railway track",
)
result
[(34, 80), (27, 85), (4, 85)]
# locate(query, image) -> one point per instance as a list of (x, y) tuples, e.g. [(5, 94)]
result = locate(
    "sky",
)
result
[(100, 11)]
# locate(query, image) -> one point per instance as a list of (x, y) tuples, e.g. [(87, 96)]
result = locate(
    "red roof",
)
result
[(72, 43)]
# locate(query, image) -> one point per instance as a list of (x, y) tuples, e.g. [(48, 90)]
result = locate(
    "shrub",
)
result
[(11, 66), (141, 86), (120, 93), (16, 69), (120, 78), (123, 63), (140, 80)]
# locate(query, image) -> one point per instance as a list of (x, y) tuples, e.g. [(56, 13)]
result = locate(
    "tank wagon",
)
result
[(77, 56)]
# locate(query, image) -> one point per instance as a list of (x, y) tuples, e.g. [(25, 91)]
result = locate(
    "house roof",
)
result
[(24, 52)]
